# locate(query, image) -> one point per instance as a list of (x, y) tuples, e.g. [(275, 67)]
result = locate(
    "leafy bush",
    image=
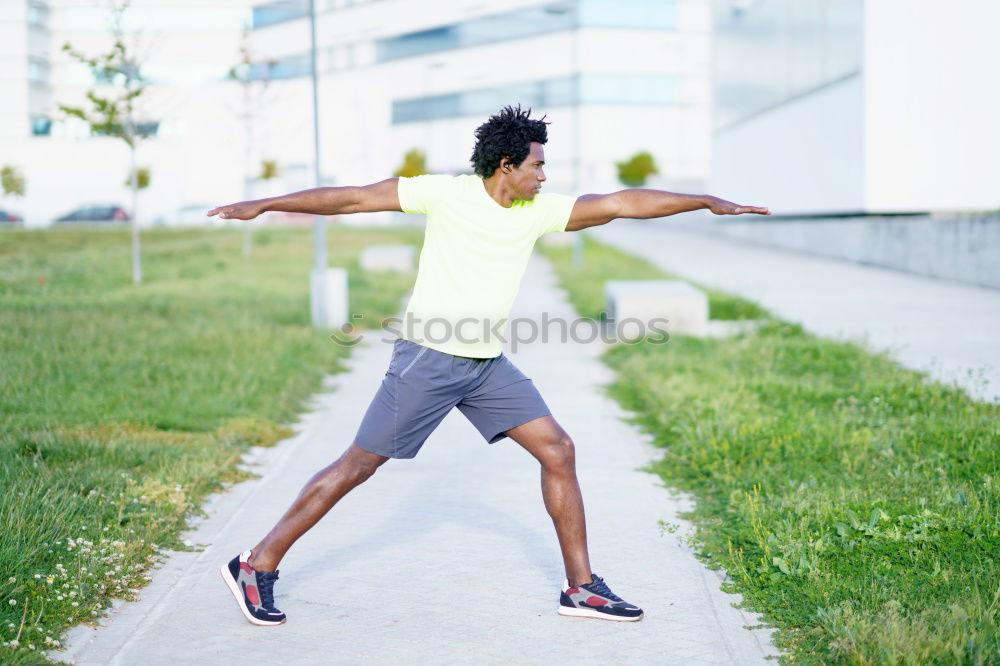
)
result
[(414, 164), (634, 171)]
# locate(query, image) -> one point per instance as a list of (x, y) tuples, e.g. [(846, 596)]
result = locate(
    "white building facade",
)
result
[(857, 107), (614, 77), (196, 151)]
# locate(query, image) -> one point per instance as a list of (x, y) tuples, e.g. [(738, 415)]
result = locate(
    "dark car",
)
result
[(96, 213), (9, 219)]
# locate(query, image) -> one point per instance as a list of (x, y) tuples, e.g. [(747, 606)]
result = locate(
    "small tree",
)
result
[(12, 181), (114, 114), (414, 164), (254, 99), (634, 171), (268, 170), (140, 177)]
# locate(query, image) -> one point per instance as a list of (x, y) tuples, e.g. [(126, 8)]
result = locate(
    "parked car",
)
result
[(96, 213), (9, 219)]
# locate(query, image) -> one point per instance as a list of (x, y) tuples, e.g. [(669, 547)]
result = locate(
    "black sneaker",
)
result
[(254, 590), (596, 600)]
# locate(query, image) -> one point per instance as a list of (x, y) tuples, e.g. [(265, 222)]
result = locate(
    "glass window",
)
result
[(769, 51), (288, 67), (531, 21), (474, 32), (38, 70), (147, 129), (41, 126), (38, 14), (279, 12), (649, 14), (540, 95)]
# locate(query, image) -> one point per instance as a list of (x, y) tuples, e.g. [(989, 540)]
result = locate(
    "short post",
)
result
[(328, 297)]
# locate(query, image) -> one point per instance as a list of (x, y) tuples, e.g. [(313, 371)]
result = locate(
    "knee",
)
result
[(357, 466), (560, 454), (359, 471)]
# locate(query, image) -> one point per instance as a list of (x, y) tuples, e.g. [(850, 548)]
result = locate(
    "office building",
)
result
[(614, 77)]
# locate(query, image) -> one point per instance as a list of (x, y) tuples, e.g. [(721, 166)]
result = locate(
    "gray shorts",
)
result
[(422, 385)]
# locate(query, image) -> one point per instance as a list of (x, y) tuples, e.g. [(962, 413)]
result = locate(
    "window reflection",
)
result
[(650, 14), (288, 67), (475, 32), (544, 94), (278, 12), (531, 21), (771, 50)]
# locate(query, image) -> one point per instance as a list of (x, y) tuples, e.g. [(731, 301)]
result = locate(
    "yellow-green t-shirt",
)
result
[(474, 255)]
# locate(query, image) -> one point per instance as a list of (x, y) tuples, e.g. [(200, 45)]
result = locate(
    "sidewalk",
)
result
[(945, 328), (449, 558)]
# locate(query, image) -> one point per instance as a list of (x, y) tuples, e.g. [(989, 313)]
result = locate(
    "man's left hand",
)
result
[(723, 207)]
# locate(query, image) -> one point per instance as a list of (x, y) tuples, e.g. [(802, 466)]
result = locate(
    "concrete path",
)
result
[(945, 328), (449, 558)]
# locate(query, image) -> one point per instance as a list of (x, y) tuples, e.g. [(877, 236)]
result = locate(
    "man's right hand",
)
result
[(244, 210)]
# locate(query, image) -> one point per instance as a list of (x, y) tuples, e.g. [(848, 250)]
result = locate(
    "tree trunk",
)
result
[(136, 255)]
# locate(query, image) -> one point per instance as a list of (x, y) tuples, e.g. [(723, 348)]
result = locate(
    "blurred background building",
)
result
[(613, 76), (191, 107), (848, 106), (812, 107)]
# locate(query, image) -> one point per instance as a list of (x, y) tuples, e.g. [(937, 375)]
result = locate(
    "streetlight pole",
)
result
[(320, 317), (577, 79)]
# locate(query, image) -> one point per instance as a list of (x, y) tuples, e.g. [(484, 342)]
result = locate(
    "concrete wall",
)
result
[(964, 247), (931, 103), (804, 156)]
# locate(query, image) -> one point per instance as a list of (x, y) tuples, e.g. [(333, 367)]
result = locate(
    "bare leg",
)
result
[(553, 448), (317, 497)]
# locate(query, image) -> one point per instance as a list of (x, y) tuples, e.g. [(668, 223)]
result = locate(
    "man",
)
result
[(480, 233)]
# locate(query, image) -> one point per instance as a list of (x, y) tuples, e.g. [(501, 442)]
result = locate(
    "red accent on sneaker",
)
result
[(246, 568), (573, 590), (252, 595), (596, 601)]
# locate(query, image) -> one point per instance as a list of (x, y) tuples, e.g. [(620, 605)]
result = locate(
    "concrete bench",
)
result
[(684, 307), (388, 258)]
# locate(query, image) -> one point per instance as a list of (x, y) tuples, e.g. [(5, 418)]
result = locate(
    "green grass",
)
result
[(852, 502), (122, 407)]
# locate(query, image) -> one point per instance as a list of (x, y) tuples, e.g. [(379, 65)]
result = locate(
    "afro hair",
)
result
[(508, 134)]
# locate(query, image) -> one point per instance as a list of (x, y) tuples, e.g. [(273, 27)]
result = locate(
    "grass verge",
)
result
[(852, 502), (122, 407)]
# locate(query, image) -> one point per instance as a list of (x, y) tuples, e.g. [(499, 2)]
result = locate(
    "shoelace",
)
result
[(265, 585), (601, 588)]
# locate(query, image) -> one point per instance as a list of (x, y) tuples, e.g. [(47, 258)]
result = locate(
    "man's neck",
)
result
[(499, 190)]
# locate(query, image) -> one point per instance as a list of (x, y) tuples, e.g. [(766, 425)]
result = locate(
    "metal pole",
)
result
[(577, 151), (320, 315), (134, 181), (247, 169)]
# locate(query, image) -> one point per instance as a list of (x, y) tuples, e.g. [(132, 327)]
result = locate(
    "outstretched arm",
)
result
[(591, 210), (320, 201)]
